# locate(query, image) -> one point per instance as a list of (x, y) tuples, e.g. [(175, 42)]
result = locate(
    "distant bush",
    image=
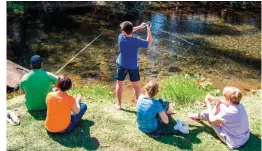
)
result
[(127, 7)]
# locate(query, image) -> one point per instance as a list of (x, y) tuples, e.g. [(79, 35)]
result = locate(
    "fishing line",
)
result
[(172, 34), (176, 36), (77, 54)]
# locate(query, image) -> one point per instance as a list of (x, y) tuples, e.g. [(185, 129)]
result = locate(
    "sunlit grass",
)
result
[(105, 128), (181, 90), (94, 92)]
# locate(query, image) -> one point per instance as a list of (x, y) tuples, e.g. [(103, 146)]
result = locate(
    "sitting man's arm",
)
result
[(164, 117), (53, 78), (213, 119), (21, 89), (76, 107)]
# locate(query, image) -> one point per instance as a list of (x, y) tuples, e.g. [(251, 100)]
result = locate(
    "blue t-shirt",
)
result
[(147, 110), (128, 46)]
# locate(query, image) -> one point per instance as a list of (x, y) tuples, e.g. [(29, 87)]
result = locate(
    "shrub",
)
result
[(181, 90)]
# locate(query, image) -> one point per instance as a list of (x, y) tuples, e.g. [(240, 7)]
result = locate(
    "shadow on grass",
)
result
[(129, 111), (254, 144), (38, 115), (79, 137), (182, 141)]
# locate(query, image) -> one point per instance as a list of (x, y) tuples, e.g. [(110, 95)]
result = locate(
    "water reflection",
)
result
[(216, 35)]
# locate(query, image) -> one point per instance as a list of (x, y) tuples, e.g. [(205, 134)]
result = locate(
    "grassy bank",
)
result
[(105, 128)]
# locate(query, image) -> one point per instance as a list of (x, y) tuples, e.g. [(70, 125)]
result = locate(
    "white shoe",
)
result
[(12, 118), (178, 125), (184, 129)]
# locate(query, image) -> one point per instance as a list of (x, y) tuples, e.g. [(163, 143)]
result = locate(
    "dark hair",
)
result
[(36, 66), (64, 83), (127, 27)]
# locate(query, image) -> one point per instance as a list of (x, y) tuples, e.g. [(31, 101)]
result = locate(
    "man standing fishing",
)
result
[(127, 61)]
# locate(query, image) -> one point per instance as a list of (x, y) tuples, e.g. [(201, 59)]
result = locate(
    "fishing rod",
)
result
[(77, 54)]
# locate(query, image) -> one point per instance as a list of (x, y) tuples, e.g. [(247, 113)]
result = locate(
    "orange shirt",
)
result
[(59, 107)]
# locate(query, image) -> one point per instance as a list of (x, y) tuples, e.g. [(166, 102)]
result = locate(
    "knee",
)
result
[(83, 107)]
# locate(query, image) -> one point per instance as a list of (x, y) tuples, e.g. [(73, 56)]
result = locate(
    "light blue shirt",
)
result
[(147, 111)]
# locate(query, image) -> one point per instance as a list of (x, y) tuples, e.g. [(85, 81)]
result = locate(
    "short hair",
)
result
[(36, 66), (152, 88), (64, 83), (127, 27), (233, 94)]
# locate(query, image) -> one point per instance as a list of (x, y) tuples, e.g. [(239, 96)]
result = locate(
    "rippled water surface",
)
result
[(222, 46)]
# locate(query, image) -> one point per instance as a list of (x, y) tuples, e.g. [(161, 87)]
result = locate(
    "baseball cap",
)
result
[(36, 59)]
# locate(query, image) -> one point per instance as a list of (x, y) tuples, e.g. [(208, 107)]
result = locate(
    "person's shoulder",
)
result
[(121, 36), (142, 97), (51, 95), (155, 101), (27, 75), (231, 110), (70, 97)]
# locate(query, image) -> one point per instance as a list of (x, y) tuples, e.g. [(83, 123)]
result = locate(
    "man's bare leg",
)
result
[(119, 91), (136, 88)]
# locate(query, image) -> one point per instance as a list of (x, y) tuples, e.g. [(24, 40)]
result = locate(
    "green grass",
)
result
[(94, 91), (105, 128), (182, 90)]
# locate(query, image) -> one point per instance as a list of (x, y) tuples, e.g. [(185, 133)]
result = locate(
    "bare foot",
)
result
[(117, 106), (194, 116)]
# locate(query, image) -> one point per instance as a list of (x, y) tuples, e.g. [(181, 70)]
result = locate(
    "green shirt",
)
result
[(36, 85)]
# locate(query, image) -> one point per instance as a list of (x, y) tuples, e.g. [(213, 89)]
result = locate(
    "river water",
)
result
[(223, 47)]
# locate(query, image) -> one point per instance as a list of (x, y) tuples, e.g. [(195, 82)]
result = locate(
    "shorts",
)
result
[(121, 73)]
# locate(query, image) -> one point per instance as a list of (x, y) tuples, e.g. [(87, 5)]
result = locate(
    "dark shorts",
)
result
[(121, 73)]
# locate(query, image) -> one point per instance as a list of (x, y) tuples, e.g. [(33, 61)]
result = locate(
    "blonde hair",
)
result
[(233, 94), (152, 88)]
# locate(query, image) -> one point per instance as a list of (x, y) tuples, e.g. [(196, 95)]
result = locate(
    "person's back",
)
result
[(58, 111), (63, 111), (236, 125), (36, 85), (129, 50), (147, 110)]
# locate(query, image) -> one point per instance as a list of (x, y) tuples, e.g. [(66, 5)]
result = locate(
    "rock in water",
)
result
[(174, 69)]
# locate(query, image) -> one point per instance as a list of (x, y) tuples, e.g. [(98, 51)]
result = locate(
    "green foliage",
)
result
[(94, 92), (15, 6), (182, 90), (238, 4), (127, 7)]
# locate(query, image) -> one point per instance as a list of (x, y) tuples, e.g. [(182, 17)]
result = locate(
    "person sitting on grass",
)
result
[(36, 85), (152, 113), (63, 111), (229, 118)]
